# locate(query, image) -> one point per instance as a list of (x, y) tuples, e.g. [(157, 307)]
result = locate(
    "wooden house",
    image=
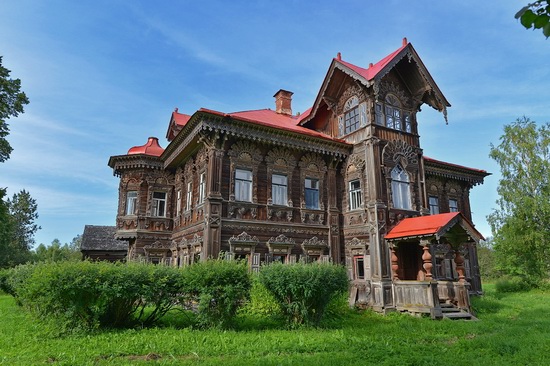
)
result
[(344, 182)]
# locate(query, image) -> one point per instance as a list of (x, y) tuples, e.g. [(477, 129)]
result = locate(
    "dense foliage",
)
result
[(56, 252), (303, 291), (536, 15), (12, 100), (219, 288), (521, 223), (88, 295)]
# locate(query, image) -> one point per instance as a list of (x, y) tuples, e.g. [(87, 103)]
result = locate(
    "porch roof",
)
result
[(432, 225)]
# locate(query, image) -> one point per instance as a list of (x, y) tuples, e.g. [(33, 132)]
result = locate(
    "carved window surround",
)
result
[(355, 170), (243, 243), (314, 167), (280, 245), (280, 161), (242, 210), (357, 247), (246, 156), (352, 98), (314, 246)]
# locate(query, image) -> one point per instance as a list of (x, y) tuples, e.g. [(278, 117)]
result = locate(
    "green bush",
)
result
[(218, 288), (512, 284), (87, 295), (303, 291), (262, 303)]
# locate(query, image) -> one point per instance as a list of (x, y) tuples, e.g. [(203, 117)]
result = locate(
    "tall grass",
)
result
[(514, 329)]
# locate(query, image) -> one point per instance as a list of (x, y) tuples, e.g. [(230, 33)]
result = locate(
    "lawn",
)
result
[(514, 329)]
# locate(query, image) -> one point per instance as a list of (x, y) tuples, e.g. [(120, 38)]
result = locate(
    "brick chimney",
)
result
[(283, 102)]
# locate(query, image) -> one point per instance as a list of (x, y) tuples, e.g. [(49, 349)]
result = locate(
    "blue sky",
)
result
[(102, 76)]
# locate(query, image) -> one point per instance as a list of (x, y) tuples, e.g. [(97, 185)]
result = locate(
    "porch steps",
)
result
[(450, 311)]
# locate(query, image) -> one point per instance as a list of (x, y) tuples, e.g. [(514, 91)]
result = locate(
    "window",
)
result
[(453, 205), (359, 263), (312, 193), (243, 185), (131, 200), (159, 204), (354, 194), (391, 115), (189, 196), (434, 205), (351, 115), (400, 188), (202, 187), (279, 189), (178, 202)]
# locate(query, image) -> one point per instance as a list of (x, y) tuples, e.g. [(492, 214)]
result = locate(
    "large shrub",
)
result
[(218, 288), (88, 295), (303, 291)]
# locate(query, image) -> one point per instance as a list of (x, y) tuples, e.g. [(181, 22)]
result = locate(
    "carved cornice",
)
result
[(278, 137), (314, 242), (243, 238), (120, 163), (281, 240)]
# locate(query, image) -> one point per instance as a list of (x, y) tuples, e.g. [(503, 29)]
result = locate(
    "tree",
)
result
[(23, 214), (536, 15), (12, 100), (521, 223), (56, 252), (6, 232)]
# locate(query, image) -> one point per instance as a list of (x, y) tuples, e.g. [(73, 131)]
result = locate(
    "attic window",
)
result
[(351, 115), (391, 114)]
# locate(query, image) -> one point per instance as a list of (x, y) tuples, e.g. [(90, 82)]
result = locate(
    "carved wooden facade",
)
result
[(326, 185)]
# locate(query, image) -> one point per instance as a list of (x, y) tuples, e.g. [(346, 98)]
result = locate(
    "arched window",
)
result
[(351, 115), (401, 192), (391, 114)]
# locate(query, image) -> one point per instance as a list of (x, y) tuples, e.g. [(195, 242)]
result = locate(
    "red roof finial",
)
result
[(176, 109), (405, 41), (370, 65), (339, 56)]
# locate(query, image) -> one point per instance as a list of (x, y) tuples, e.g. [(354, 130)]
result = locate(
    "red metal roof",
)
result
[(270, 118), (421, 226), (152, 147), (180, 118), (373, 70)]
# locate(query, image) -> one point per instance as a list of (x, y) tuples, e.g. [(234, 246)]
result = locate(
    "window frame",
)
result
[(278, 187), (189, 196), (178, 202), (453, 208), (202, 187), (391, 114), (358, 267), (355, 195), (131, 202), (434, 207), (401, 188), (157, 203), (314, 190), (241, 183)]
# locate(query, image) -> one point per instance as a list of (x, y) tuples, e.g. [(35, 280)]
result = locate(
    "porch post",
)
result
[(459, 261), (427, 258), (394, 263)]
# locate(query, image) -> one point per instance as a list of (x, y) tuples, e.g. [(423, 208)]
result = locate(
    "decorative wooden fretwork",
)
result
[(243, 243), (399, 152), (314, 246)]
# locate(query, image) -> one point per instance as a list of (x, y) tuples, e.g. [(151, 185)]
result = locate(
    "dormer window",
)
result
[(391, 114), (351, 115)]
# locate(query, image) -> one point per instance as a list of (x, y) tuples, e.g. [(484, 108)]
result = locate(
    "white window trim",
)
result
[(131, 203), (278, 187), (243, 185), (157, 203), (355, 195)]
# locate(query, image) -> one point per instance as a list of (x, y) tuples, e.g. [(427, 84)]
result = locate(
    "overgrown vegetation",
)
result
[(95, 295), (303, 291), (362, 338), (88, 295)]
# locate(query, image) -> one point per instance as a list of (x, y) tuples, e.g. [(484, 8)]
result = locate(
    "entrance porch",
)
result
[(432, 260)]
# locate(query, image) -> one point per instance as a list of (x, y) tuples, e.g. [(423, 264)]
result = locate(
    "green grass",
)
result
[(514, 329)]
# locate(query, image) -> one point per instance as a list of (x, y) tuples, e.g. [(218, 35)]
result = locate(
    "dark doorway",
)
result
[(410, 261)]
